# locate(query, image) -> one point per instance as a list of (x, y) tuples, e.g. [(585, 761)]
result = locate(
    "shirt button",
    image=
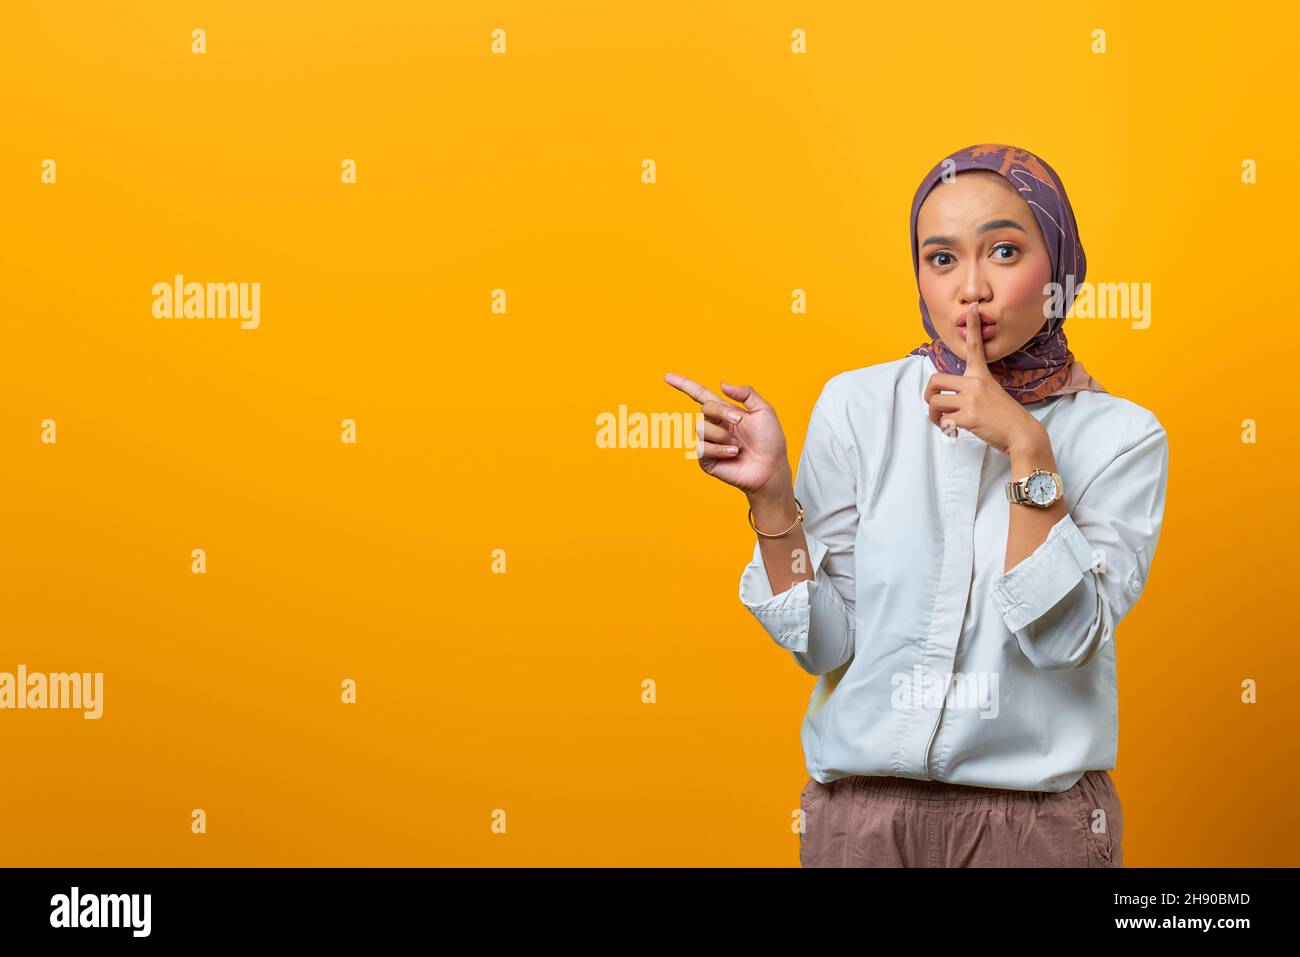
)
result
[(1134, 585)]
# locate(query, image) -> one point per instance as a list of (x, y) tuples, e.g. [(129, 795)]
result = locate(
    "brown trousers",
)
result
[(861, 821)]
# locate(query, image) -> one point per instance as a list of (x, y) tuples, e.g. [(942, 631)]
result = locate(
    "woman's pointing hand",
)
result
[(759, 461)]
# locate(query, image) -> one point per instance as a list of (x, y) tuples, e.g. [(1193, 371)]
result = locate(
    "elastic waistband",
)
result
[(941, 792)]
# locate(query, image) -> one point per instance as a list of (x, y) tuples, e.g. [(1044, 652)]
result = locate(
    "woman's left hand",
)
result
[(980, 405)]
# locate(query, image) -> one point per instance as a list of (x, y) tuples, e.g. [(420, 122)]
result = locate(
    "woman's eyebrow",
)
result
[(991, 224)]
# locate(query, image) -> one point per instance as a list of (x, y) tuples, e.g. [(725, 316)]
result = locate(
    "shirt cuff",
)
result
[(784, 616), (1030, 589)]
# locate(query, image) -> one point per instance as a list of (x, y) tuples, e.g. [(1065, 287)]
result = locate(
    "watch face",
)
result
[(1041, 488)]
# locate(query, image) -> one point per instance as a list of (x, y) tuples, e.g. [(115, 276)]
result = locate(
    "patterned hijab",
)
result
[(1043, 366)]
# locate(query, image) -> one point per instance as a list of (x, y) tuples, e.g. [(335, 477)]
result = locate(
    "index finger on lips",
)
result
[(975, 364)]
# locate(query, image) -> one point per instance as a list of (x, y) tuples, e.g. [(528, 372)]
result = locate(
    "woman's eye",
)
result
[(934, 258)]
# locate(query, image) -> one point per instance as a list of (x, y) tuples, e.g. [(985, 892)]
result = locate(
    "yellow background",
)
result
[(476, 430)]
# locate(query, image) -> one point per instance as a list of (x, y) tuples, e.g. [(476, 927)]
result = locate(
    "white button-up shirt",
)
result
[(932, 662)]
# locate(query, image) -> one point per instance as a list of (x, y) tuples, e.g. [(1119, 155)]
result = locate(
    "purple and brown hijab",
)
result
[(1043, 366)]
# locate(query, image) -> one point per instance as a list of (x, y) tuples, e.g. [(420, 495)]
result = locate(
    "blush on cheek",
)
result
[(1022, 286), (1022, 293), (933, 291)]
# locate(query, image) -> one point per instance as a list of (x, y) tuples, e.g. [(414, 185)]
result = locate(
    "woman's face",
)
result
[(978, 241)]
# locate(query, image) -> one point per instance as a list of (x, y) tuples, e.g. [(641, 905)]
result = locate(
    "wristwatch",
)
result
[(1040, 488)]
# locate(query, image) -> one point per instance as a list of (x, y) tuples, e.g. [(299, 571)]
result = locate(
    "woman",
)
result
[(968, 526)]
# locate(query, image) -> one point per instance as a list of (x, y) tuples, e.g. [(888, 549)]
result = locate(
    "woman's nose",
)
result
[(974, 283)]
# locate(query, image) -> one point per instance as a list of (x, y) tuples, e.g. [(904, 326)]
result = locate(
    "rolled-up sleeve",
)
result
[(814, 618), (1064, 601)]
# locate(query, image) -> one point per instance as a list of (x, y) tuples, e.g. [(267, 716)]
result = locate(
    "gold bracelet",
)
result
[(797, 519)]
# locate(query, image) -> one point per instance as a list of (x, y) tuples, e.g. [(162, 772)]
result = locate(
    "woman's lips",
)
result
[(987, 327)]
